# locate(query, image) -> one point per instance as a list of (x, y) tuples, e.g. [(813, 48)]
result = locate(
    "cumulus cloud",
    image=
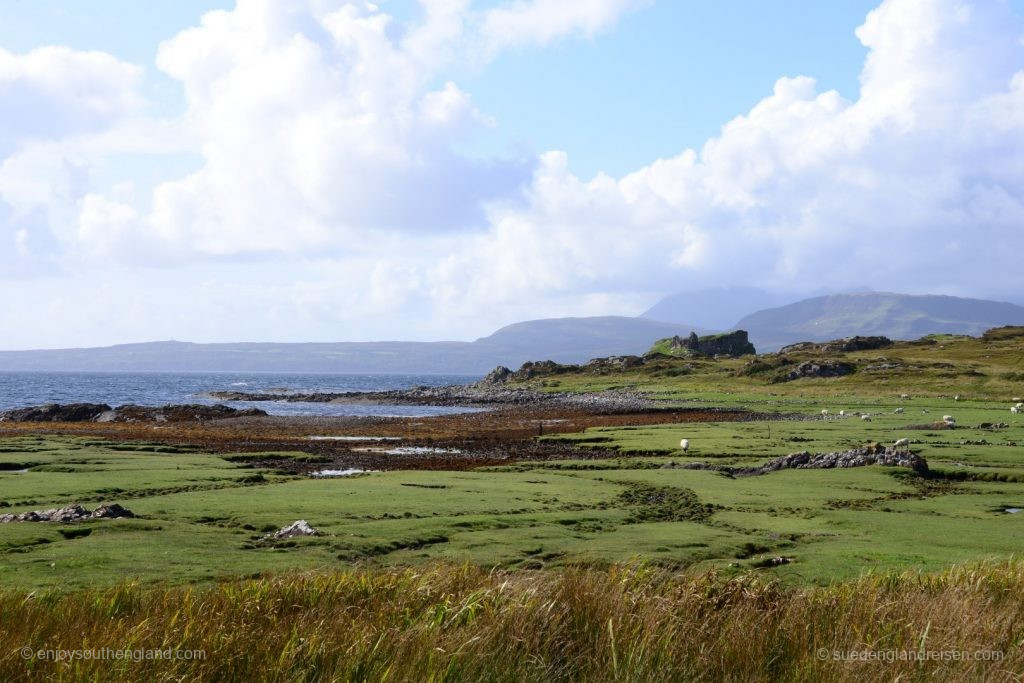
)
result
[(324, 125), (329, 135), (51, 100), (916, 184), (537, 22), (52, 92)]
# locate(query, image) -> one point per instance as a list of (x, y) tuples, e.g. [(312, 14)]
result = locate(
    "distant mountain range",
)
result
[(897, 316), (565, 340), (718, 308)]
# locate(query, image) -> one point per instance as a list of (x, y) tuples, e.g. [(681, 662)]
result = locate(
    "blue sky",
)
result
[(326, 169), (664, 66), (677, 71)]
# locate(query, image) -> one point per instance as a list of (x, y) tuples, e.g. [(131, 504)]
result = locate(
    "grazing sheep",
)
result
[(842, 413), (898, 410), (824, 413), (1016, 398), (902, 443), (1020, 405), (904, 397), (685, 445), (948, 418), (866, 417), (1015, 410)]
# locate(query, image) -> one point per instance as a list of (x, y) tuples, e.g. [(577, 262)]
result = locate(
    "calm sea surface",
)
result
[(18, 389)]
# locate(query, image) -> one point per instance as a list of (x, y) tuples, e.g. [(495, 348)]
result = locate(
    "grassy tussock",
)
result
[(463, 623)]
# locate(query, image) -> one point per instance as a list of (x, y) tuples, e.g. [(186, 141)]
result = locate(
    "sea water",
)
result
[(20, 389)]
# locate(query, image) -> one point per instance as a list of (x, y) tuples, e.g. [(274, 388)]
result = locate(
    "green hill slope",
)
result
[(897, 316)]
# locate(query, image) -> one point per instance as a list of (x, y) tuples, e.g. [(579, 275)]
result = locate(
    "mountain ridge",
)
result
[(563, 340), (567, 340), (888, 314)]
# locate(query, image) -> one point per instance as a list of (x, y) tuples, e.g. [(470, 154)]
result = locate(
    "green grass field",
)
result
[(588, 569), (931, 370), (200, 516)]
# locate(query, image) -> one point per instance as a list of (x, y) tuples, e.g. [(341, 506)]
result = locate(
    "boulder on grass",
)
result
[(298, 528)]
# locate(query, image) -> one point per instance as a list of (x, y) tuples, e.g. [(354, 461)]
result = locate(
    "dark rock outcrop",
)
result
[(69, 513), (498, 375), (614, 363), (180, 413), (96, 412), (856, 343), (872, 454), (857, 457), (733, 344), (111, 511), (529, 370), (541, 368), (54, 412), (822, 368)]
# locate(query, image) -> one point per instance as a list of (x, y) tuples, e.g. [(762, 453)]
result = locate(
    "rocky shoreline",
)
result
[(473, 396), (101, 412)]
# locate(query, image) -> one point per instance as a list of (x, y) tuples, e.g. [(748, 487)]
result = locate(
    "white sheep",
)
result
[(842, 413), (824, 413), (1020, 405), (1015, 410), (1017, 399), (685, 445), (957, 397), (904, 397), (898, 411), (948, 418), (902, 443), (866, 417)]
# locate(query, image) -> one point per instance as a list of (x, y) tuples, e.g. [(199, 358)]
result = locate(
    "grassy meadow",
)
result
[(201, 516), (463, 623), (619, 568)]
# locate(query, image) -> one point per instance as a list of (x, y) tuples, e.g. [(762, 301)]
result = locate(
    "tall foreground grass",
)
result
[(463, 623)]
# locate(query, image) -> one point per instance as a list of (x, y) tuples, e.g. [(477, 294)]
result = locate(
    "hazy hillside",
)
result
[(716, 308), (576, 337), (898, 316), (566, 340)]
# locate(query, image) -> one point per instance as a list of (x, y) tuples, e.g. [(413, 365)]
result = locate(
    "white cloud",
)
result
[(52, 92), (62, 111), (327, 138), (918, 184), (538, 22), (323, 124)]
